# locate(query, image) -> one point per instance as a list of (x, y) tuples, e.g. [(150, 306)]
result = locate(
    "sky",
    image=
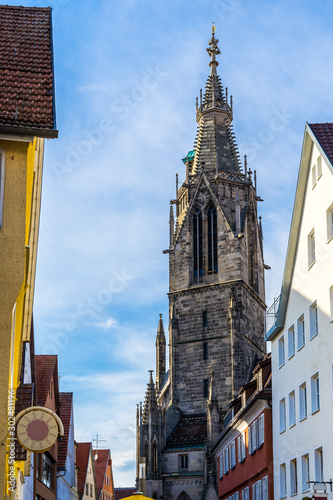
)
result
[(127, 74)]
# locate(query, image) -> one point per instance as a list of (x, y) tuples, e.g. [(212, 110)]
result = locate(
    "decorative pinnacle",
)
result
[(213, 51)]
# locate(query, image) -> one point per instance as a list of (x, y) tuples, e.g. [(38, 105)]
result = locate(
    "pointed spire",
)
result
[(215, 144), (150, 404), (160, 337)]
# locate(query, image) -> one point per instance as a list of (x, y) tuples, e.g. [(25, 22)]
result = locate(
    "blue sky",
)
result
[(127, 75)]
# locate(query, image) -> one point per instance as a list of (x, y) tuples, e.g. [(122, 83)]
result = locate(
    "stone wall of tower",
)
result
[(230, 352), (238, 237), (232, 339), (175, 483)]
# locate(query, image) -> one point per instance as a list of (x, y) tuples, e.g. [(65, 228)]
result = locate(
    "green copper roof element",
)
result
[(215, 145), (190, 156)]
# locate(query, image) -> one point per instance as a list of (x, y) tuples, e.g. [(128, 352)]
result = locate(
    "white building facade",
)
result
[(302, 336)]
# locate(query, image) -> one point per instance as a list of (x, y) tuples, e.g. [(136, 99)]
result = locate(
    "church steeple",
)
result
[(215, 146)]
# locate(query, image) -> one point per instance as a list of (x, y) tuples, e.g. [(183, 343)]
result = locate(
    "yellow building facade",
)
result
[(26, 118)]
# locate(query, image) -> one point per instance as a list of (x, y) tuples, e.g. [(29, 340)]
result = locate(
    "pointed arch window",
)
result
[(212, 240), (154, 459), (197, 245), (147, 457)]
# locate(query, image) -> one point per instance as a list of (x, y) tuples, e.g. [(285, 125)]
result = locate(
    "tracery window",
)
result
[(154, 459), (212, 240), (197, 246), (146, 456)]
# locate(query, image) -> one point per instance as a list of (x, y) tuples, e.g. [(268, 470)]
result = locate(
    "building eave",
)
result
[(28, 132), (308, 141), (304, 171)]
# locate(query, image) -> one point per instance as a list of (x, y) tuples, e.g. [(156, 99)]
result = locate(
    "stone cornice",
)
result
[(202, 286)]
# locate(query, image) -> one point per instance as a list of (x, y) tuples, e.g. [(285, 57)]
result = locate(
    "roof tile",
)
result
[(45, 366), (65, 413), (191, 430), (100, 467), (324, 135), (120, 493), (26, 69), (82, 460)]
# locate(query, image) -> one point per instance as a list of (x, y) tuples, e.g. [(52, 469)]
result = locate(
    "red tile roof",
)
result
[(45, 366), (65, 412), (82, 460), (120, 493), (324, 135), (100, 467), (26, 71)]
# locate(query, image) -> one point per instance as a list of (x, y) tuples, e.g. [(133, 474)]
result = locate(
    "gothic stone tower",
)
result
[(216, 301)]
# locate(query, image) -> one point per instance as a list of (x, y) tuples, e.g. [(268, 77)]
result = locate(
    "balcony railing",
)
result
[(272, 314)]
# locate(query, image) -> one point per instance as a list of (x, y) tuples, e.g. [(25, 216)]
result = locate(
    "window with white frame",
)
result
[(261, 430), (311, 248), (319, 465), (313, 320), (253, 437), (291, 341), (281, 351), (241, 447), (329, 220), (232, 455), (314, 175), (292, 409), (315, 398), (2, 182), (221, 466), (256, 491), (246, 493), (319, 168), (226, 461), (293, 477), (316, 171), (283, 481), (264, 482), (300, 332), (235, 496), (305, 473), (282, 411), (303, 404)]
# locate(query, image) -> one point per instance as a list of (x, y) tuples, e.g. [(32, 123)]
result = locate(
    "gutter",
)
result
[(28, 131)]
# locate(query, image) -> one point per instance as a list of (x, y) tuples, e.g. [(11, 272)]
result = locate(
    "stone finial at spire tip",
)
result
[(213, 51)]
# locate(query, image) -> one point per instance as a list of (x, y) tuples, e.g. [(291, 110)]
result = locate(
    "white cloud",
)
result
[(106, 325)]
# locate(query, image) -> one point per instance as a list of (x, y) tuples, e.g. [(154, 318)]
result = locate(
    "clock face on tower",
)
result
[(37, 430)]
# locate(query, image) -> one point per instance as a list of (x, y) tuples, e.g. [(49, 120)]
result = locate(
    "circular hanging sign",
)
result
[(37, 430)]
